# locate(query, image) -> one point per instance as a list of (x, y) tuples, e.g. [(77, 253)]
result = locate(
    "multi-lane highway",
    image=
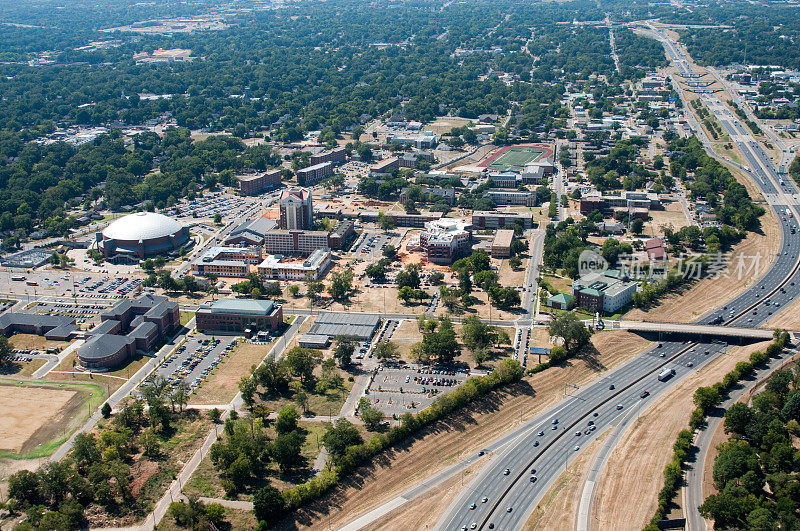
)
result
[(507, 490)]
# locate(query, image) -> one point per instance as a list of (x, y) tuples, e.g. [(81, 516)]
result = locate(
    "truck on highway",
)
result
[(666, 374), (18, 278), (788, 212)]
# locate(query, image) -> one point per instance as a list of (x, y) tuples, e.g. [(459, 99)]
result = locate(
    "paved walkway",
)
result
[(54, 361)]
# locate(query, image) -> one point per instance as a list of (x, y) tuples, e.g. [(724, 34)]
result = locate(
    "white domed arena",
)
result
[(141, 235)]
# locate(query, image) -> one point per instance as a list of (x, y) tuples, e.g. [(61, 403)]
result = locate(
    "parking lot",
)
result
[(402, 388), (82, 313), (210, 205), (370, 244), (106, 287), (193, 361)]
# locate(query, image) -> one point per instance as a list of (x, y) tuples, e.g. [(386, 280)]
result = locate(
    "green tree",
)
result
[(385, 350), (287, 420), (268, 505), (286, 450), (345, 347), (341, 284), (341, 436), (637, 226), (372, 418), (571, 330)]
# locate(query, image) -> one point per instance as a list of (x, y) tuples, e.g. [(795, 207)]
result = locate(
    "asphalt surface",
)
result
[(505, 482)]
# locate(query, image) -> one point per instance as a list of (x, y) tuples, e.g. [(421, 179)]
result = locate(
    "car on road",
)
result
[(644, 394), (473, 525), (611, 387), (473, 506), (506, 472), (540, 434), (578, 433), (485, 499), (555, 421), (577, 448), (533, 479), (619, 406), (509, 509), (535, 444)]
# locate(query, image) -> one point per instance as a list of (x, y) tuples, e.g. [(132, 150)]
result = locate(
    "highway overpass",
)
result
[(711, 331)]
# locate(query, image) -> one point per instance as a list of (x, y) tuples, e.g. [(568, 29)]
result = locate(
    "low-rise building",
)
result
[(128, 327), (560, 301), (239, 315), (501, 244), (384, 166), (254, 184), (511, 197), (607, 291), (497, 220), (227, 261), (279, 267), (251, 232)]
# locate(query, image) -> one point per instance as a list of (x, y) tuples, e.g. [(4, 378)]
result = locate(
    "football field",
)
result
[(516, 157)]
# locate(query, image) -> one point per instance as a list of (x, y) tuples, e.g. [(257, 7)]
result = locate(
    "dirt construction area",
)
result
[(627, 490), (463, 434), (31, 413)]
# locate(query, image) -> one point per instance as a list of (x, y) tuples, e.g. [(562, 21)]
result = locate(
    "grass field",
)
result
[(515, 158)]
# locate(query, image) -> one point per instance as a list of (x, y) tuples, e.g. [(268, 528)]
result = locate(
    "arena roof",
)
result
[(142, 226)]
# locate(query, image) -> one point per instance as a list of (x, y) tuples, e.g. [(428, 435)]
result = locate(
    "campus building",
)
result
[(314, 173), (607, 291), (254, 184), (501, 244), (444, 240), (511, 197), (128, 327), (297, 210), (497, 220), (141, 235), (335, 156), (52, 327), (251, 232), (239, 315), (227, 261), (279, 267)]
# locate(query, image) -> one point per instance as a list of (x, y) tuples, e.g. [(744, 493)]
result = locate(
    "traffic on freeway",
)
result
[(505, 493)]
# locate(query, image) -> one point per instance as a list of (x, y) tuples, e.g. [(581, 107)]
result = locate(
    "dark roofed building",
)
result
[(53, 327), (251, 232), (128, 326)]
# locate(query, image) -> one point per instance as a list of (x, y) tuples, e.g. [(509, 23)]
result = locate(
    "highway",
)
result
[(502, 495)]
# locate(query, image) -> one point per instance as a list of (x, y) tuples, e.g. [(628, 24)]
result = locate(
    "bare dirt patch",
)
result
[(689, 304), (29, 408), (628, 487), (464, 434), (671, 216)]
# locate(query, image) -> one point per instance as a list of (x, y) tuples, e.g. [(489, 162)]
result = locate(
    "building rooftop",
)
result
[(503, 238), (240, 306), (142, 226)]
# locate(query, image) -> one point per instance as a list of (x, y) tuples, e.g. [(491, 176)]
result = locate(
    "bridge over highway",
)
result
[(719, 331)]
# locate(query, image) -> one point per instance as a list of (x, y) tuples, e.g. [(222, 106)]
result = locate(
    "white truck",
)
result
[(666, 374)]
